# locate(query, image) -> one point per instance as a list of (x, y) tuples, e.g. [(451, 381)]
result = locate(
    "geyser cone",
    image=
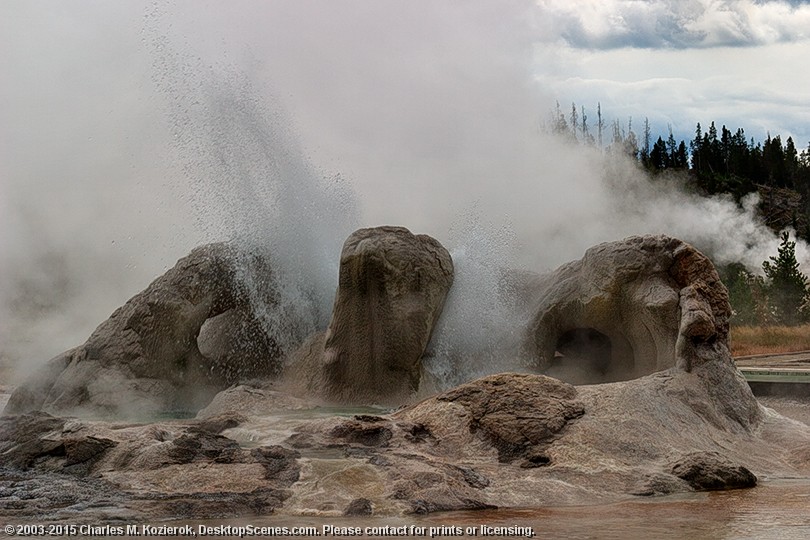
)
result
[(391, 291)]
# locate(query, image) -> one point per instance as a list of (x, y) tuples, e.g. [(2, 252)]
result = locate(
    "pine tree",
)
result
[(697, 150), (672, 148), (746, 294), (645, 149), (712, 144), (658, 155), (786, 285), (791, 163), (625, 142), (560, 126), (587, 138), (682, 157), (600, 124), (574, 120)]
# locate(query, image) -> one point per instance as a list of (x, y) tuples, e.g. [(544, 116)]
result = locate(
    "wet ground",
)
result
[(779, 508), (776, 509)]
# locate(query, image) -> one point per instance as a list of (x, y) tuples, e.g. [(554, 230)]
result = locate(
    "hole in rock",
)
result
[(586, 356), (538, 460)]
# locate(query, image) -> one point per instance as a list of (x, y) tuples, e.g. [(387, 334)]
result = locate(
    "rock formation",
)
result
[(708, 471), (146, 358), (194, 332), (391, 290), (155, 471), (627, 309), (505, 440)]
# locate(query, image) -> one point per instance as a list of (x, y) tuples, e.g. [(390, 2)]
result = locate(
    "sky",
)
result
[(678, 62), (131, 132)]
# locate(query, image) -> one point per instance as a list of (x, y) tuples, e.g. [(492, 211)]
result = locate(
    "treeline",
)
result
[(726, 162), (714, 161)]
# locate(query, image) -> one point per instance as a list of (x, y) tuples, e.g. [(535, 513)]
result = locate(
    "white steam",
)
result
[(251, 184), (482, 298), (136, 131)]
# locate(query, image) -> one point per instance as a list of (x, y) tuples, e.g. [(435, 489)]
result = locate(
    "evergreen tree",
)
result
[(712, 144), (672, 148), (746, 294), (645, 149), (786, 285), (773, 157), (725, 149), (791, 163), (739, 156), (681, 157), (658, 155), (574, 120), (560, 126), (631, 143), (697, 150), (600, 124), (587, 138), (718, 162)]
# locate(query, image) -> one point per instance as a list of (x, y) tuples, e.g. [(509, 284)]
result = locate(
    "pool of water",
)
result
[(777, 509)]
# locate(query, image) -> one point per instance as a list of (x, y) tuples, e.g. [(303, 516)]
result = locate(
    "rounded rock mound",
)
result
[(146, 359), (391, 290), (627, 309)]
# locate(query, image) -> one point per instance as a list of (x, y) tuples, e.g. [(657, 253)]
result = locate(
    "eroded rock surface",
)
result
[(627, 309), (53, 468), (391, 290), (507, 440), (516, 414), (253, 400), (710, 471), (145, 358)]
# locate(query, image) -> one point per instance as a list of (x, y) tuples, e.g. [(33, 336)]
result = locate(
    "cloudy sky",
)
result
[(738, 62), (132, 131)]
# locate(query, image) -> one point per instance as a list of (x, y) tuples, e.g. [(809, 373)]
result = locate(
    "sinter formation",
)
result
[(647, 317)]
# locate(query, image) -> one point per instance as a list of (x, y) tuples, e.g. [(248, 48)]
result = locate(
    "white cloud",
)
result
[(597, 24), (760, 89)]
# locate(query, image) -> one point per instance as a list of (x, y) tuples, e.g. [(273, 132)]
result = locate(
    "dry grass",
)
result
[(746, 340)]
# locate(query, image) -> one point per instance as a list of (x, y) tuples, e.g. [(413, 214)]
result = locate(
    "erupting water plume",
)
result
[(256, 378), (428, 110), (481, 254)]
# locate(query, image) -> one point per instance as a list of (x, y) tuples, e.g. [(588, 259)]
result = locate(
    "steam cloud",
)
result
[(134, 132)]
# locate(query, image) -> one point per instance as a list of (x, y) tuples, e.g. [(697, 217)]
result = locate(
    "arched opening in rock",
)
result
[(586, 355)]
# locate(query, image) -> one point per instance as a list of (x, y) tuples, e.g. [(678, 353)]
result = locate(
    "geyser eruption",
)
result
[(250, 183), (510, 439), (639, 306), (422, 137), (486, 295), (417, 157)]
